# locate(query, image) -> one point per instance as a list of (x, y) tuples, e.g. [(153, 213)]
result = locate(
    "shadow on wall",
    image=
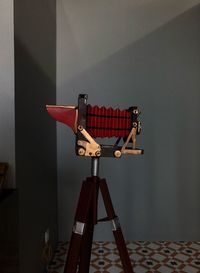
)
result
[(156, 195), (36, 174)]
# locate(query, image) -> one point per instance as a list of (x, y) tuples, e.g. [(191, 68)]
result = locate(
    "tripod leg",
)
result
[(73, 254), (117, 232), (81, 217), (86, 246)]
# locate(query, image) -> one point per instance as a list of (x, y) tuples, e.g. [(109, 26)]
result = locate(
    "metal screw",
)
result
[(117, 153), (98, 153), (135, 111), (135, 124), (81, 151), (80, 127)]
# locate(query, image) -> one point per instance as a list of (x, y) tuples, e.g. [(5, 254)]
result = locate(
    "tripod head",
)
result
[(91, 122)]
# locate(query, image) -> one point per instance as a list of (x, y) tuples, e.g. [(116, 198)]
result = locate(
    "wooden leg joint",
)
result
[(79, 228), (115, 223)]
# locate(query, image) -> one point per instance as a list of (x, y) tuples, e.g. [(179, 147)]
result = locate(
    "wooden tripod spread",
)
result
[(79, 252)]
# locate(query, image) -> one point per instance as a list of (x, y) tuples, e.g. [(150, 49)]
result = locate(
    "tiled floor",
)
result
[(148, 257)]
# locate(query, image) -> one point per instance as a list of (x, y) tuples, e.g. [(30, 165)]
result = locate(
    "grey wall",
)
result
[(7, 130), (155, 195), (35, 86), (89, 32)]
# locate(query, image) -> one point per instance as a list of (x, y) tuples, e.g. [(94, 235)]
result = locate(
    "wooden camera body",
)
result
[(92, 122)]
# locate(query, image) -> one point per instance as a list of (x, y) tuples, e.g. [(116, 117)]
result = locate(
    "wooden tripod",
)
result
[(79, 253)]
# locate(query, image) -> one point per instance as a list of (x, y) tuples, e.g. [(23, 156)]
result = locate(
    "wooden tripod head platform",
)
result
[(91, 122)]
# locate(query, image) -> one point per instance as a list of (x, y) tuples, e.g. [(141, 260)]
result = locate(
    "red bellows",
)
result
[(108, 122), (100, 122)]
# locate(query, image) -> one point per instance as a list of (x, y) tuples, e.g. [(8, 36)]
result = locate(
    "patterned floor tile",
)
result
[(146, 257), (191, 269)]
